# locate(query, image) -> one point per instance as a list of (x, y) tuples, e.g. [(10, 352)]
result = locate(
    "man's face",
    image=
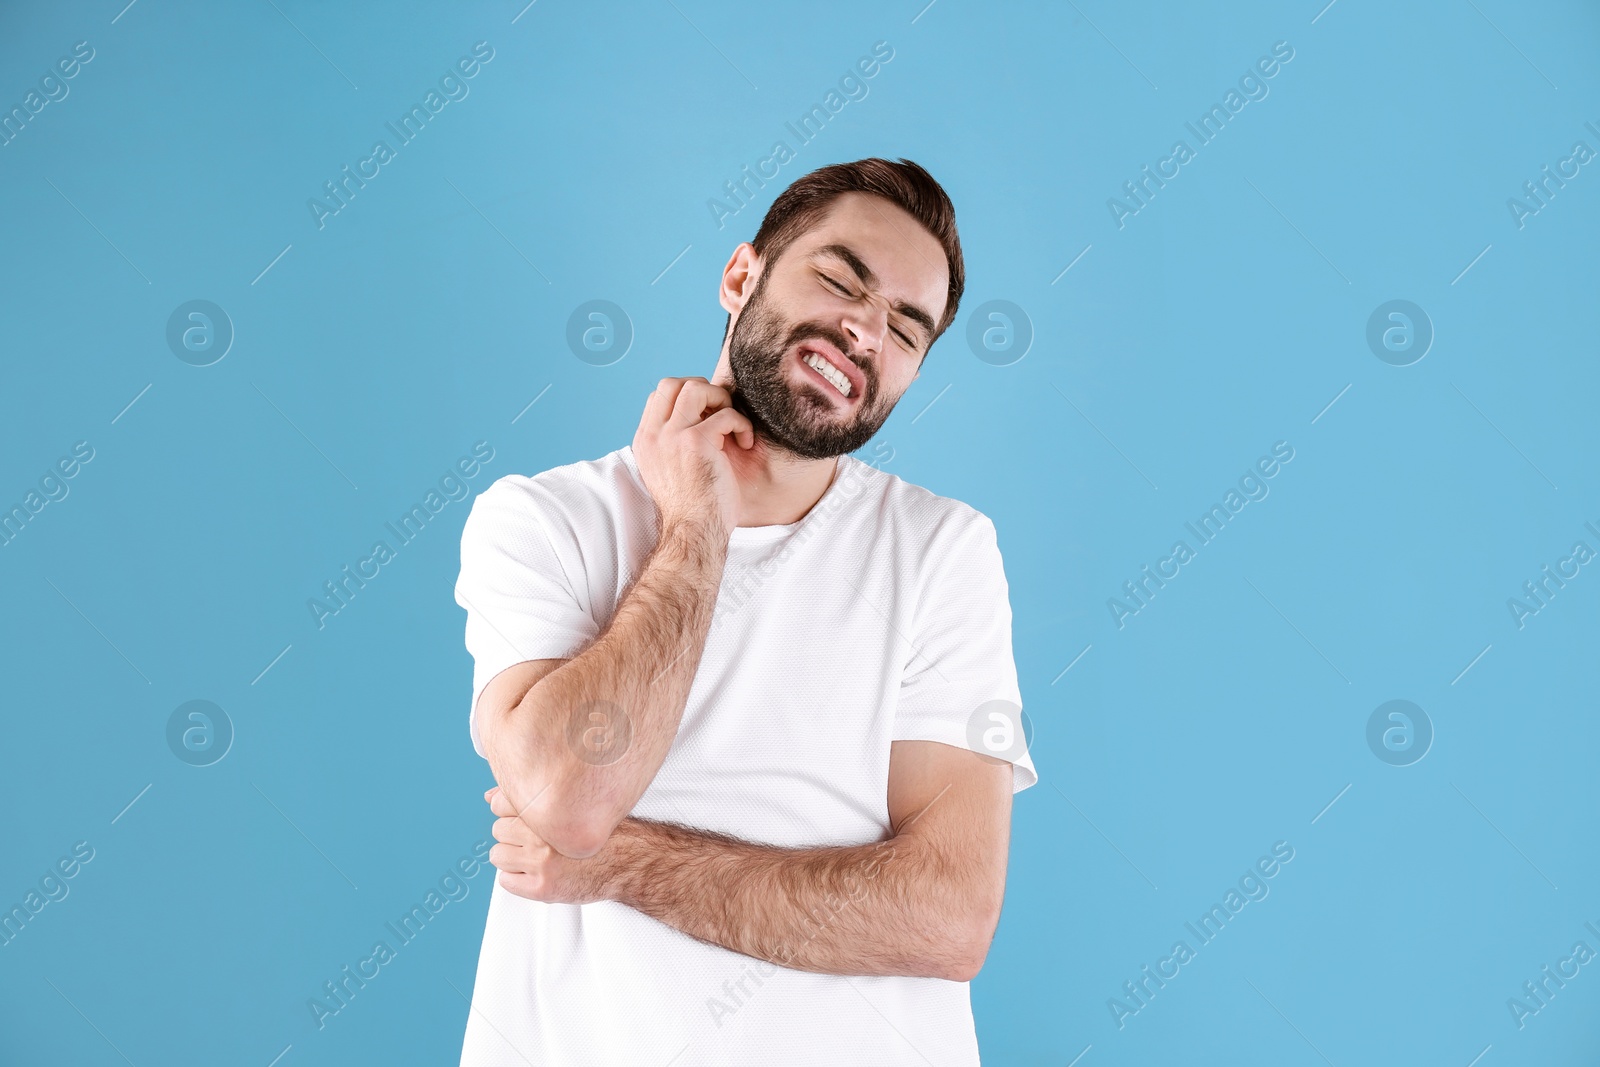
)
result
[(859, 294)]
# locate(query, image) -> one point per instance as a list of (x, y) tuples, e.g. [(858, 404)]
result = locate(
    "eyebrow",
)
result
[(868, 277)]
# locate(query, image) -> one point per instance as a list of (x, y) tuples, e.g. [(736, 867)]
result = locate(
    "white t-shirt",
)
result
[(882, 615)]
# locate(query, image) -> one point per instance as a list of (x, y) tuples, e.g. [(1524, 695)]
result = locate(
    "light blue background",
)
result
[(1224, 316)]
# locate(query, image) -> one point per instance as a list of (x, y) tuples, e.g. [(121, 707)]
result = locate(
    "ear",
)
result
[(739, 278)]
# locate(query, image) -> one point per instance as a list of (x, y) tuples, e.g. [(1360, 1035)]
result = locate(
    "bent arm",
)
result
[(922, 903), (575, 743)]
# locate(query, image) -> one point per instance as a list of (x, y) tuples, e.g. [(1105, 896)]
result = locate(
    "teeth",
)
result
[(828, 371)]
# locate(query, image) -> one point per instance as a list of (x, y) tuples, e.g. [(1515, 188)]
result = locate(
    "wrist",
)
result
[(622, 862), (700, 539)]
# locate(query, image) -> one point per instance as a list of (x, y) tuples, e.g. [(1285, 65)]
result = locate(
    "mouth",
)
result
[(840, 377)]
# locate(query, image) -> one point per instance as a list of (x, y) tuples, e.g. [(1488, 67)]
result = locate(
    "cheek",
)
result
[(898, 376), (795, 297)]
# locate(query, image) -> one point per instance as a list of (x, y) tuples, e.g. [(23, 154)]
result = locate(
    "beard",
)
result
[(797, 418)]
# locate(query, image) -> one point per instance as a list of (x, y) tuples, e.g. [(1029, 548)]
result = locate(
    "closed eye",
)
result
[(844, 290)]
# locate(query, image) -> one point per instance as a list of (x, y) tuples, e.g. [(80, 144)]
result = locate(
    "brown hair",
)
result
[(803, 205)]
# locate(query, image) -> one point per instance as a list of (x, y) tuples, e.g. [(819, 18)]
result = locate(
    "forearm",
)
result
[(580, 748), (896, 907)]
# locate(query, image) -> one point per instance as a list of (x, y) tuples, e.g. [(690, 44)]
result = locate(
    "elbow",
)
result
[(966, 971), (952, 961), (558, 802), (964, 954), (964, 963)]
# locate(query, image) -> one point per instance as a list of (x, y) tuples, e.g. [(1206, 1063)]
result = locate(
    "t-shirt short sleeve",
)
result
[(959, 686), (521, 603)]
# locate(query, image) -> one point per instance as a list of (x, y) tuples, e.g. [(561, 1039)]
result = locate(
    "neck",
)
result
[(776, 487)]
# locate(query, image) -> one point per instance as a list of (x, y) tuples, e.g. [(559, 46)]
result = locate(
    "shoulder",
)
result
[(574, 496), (608, 481), (916, 515)]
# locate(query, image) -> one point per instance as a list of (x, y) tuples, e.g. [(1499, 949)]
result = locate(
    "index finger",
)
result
[(665, 396), (499, 803), (698, 400)]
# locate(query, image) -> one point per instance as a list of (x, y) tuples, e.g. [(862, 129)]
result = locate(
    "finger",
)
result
[(513, 832), (689, 404), (695, 399), (656, 407), (501, 804), (660, 406), (519, 884), (726, 422), (507, 858)]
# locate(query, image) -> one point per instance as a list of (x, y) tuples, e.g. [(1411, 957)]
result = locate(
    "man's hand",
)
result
[(642, 665), (680, 448), (530, 868)]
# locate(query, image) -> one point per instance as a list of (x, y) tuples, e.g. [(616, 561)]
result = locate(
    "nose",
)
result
[(867, 321)]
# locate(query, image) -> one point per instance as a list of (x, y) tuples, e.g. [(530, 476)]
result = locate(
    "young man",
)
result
[(750, 701)]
